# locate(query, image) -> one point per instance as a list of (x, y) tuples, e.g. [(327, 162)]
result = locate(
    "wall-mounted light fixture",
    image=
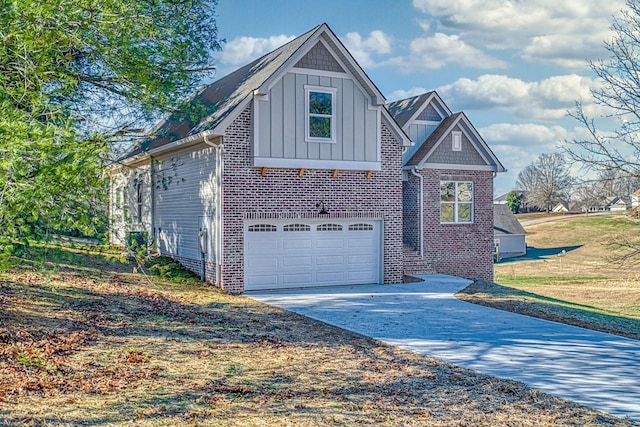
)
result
[(323, 211)]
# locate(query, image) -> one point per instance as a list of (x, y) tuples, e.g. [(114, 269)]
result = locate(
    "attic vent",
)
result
[(456, 141), (319, 58)]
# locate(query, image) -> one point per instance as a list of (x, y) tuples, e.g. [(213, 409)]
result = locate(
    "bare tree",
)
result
[(546, 181), (617, 150)]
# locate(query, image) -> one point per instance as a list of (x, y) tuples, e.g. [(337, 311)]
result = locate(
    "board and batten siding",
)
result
[(418, 133), (281, 116), (185, 200)]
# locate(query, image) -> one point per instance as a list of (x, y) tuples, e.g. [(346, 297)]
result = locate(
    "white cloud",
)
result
[(436, 51), (243, 50), (558, 32), (378, 42), (548, 99), (402, 94)]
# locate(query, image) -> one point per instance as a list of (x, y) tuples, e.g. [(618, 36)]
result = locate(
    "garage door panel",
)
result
[(297, 261), (285, 254), (296, 244), (264, 245), (262, 281), (325, 243), (364, 276), (263, 263), (331, 277), (369, 260), (336, 260), (359, 242), (292, 279)]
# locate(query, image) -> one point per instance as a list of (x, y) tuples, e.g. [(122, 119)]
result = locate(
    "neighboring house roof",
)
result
[(458, 120), (228, 96), (636, 193), (505, 222), (503, 198)]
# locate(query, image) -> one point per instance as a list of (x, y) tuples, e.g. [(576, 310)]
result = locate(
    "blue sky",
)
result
[(515, 67)]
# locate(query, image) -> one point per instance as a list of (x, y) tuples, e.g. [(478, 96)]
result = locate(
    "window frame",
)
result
[(308, 90), (456, 202)]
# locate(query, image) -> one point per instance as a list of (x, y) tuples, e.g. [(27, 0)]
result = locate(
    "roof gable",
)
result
[(225, 98), (428, 106), (319, 58), (475, 153)]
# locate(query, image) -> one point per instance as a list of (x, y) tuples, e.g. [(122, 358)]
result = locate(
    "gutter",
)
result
[(421, 202)]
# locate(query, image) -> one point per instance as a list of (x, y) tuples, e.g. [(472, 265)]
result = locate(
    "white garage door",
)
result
[(297, 253)]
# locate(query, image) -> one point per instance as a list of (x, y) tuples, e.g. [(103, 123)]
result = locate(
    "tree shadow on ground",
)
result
[(548, 308)]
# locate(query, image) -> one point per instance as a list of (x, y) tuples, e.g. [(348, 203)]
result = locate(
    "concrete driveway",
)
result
[(596, 369)]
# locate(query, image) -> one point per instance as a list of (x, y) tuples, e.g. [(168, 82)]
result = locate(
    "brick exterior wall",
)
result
[(284, 192), (463, 250)]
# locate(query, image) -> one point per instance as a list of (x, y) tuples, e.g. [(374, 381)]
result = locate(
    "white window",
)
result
[(320, 112), (297, 227), (456, 141), (361, 227), (261, 228), (329, 227), (456, 202)]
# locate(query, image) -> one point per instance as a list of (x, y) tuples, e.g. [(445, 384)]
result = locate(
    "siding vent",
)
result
[(456, 141)]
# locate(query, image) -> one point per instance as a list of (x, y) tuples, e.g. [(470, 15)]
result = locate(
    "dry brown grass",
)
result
[(89, 343), (585, 285)]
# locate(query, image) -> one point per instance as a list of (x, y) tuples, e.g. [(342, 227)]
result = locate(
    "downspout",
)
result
[(152, 205), (217, 244), (421, 202)]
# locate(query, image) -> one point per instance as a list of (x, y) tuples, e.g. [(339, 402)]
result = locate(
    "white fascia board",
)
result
[(450, 166), (173, 146), (280, 163)]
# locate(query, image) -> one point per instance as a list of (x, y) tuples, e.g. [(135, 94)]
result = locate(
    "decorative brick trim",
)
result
[(307, 215)]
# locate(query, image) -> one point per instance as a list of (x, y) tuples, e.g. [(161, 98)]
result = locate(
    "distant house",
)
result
[(508, 233), (524, 204), (616, 204), (571, 207)]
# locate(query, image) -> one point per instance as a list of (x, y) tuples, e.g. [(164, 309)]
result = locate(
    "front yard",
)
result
[(84, 341)]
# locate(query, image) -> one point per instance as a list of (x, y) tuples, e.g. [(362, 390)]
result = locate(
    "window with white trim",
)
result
[(456, 202), (320, 111)]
